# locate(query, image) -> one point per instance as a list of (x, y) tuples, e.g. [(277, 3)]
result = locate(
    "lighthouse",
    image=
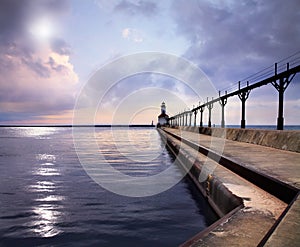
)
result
[(163, 117)]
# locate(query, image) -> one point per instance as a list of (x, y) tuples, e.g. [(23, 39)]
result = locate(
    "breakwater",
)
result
[(251, 211), (218, 196), (285, 140)]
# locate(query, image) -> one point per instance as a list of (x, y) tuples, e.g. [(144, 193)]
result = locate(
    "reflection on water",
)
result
[(51, 198), (47, 168), (47, 199), (48, 209), (46, 157), (42, 186), (137, 146), (47, 218), (35, 132), (46, 171)]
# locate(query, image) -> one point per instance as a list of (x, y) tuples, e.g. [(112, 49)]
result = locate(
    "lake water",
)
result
[(47, 198)]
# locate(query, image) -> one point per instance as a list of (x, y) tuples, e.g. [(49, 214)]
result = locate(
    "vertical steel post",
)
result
[(201, 116), (280, 119), (209, 115), (209, 106), (281, 87), (243, 120), (186, 119), (223, 102), (243, 95)]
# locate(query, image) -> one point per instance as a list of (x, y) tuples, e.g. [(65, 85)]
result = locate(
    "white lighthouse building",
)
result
[(163, 117)]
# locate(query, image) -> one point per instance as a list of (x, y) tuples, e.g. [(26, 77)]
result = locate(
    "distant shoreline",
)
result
[(264, 127), (70, 125)]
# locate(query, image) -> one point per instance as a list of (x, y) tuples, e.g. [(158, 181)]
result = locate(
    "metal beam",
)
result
[(271, 79)]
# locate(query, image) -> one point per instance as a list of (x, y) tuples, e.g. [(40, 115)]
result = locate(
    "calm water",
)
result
[(47, 199)]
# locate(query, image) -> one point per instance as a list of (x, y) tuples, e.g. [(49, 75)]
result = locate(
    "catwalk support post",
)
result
[(223, 102), (243, 95)]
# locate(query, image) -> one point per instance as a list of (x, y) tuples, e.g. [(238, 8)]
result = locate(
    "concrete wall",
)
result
[(280, 139), (218, 196)]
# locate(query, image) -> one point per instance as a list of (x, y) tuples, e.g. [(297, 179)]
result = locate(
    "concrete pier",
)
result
[(253, 188)]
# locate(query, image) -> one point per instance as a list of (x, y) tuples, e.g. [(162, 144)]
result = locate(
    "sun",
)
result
[(42, 29)]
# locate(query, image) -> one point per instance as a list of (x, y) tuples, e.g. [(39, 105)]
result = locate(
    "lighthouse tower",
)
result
[(163, 117), (163, 108)]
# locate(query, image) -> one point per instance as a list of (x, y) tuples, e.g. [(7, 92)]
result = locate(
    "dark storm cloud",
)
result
[(233, 39), (146, 8)]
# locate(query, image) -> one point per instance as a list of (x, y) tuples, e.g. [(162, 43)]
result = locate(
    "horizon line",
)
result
[(77, 125), (118, 125)]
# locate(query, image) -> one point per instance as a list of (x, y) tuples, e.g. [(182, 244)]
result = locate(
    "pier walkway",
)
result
[(273, 170)]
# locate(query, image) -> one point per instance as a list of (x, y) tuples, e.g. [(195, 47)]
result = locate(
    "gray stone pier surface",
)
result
[(268, 216)]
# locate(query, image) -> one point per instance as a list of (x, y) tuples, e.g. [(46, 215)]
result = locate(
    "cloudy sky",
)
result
[(51, 49)]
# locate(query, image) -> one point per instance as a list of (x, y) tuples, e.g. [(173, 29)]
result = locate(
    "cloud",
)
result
[(60, 46), (132, 34), (42, 79), (140, 7), (160, 75), (232, 39), (107, 6), (37, 77)]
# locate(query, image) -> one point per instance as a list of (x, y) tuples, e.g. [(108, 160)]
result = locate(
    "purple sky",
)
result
[(50, 49)]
